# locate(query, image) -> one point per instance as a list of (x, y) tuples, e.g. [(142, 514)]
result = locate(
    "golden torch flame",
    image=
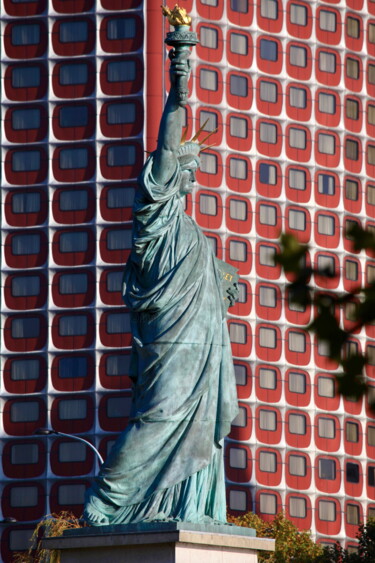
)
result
[(177, 16)]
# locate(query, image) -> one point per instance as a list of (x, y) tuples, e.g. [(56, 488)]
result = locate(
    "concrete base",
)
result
[(161, 543)]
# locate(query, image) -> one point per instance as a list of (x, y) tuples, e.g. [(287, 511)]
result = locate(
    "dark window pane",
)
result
[(121, 28), (73, 32), (25, 119), (73, 367), (121, 113), (121, 71), (121, 155), (25, 34), (26, 77), (268, 50), (73, 74), (73, 116)]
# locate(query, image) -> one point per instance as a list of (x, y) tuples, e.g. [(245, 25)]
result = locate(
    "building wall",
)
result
[(291, 87)]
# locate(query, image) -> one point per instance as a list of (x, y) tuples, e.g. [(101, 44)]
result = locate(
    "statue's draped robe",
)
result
[(168, 463)]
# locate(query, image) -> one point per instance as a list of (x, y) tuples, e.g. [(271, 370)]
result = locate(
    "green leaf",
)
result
[(291, 253)]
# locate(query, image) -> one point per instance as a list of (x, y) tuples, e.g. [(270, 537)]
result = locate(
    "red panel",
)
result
[(235, 184), (348, 243), (300, 31), (269, 436), (24, 470), (78, 258), (117, 255), (269, 108), (21, 428), (112, 423), (73, 174), (242, 433), (299, 482), (350, 285), (209, 12), (323, 362), (355, 43), (55, 506), (240, 226), (73, 48), (121, 88), (73, 133), (26, 177), (26, 135), (296, 317), (299, 72), (30, 50), (121, 381), (329, 486), (353, 448), (350, 205), (71, 217), (266, 477), (74, 383), (279, 506), (122, 45), (326, 403), (327, 160), (296, 195), (328, 119), (110, 339), (236, 59), (353, 489), (243, 19), (267, 66), (74, 341), (264, 353), (208, 221), (298, 114), (353, 166), (23, 387), (244, 267), (122, 130), (241, 103), (301, 523), (298, 399), (210, 54), (21, 93), (269, 149), (73, 425), (238, 475), (67, 468), (324, 527), (113, 214), (354, 84), (121, 172), (21, 261), (130, 4), (298, 440), (327, 241), (351, 530), (327, 200), (245, 490), (370, 46), (272, 396), (266, 271), (268, 231), (73, 90), (239, 143), (302, 235), (22, 302), (264, 312), (324, 36), (328, 444), (268, 190), (244, 389), (23, 512), (298, 358), (268, 24), (25, 8), (214, 96), (110, 297), (22, 343), (324, 77), (242, 350), (356, 4), (23, 218)]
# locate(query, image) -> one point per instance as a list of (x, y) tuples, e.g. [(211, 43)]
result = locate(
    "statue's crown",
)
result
[(194, 146)]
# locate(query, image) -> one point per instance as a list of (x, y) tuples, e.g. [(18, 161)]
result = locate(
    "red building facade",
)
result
[(290, 85)]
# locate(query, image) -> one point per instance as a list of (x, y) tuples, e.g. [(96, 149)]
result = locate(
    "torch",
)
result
[(181, 39)]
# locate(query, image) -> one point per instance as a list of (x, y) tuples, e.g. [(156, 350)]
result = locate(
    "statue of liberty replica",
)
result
[(167, 465)]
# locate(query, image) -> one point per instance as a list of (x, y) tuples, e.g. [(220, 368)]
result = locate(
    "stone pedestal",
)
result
[(170, 542)]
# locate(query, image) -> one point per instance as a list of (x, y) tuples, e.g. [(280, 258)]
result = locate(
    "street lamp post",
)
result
[(50, 431)]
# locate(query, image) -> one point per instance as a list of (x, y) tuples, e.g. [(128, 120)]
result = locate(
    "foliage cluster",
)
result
[(326, 324)]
